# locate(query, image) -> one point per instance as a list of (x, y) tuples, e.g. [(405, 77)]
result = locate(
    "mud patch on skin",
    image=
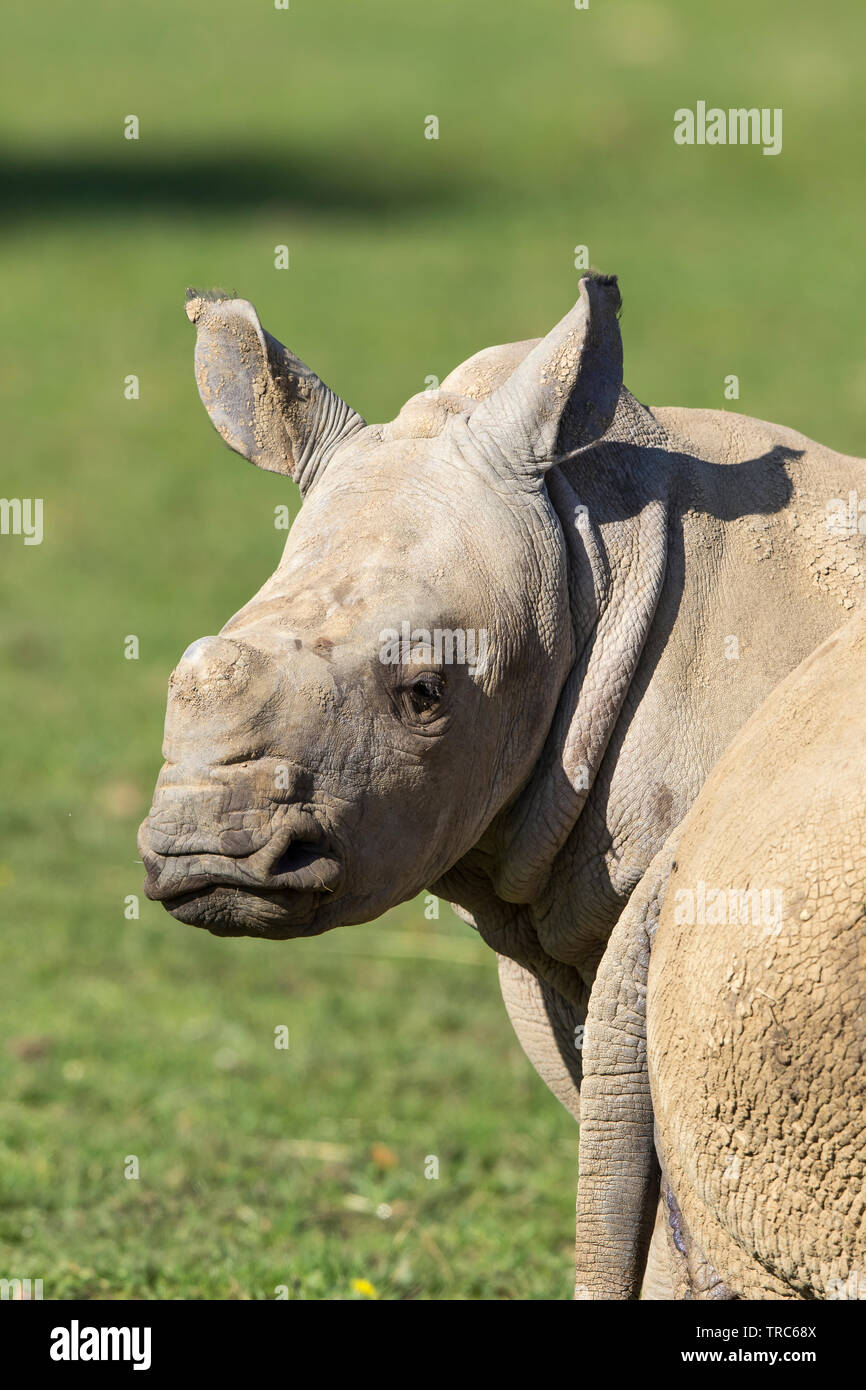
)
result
[(662, 807)]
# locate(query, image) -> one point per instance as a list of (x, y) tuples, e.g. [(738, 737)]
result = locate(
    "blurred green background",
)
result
[(259, 127)]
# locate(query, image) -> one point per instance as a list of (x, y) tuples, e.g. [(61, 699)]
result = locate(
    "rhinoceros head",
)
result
[(361, 723)]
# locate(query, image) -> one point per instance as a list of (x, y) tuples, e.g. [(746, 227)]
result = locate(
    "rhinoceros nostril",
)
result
[(301, 861), (298, 854)]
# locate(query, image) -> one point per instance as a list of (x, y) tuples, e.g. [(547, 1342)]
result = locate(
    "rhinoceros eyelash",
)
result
[(432, 681), (428, 685)]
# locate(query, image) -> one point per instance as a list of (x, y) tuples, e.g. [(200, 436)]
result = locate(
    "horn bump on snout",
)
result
[(210, 662)]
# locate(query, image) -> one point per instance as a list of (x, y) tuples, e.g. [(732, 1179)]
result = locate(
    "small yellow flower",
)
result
[(364, 1288)]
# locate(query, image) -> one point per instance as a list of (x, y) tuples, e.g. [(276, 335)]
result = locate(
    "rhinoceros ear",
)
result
[(261, 398), (564, 394)]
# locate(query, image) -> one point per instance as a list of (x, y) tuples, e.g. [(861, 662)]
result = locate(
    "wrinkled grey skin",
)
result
[(608, 550), (736, 1048), (617, 1196)]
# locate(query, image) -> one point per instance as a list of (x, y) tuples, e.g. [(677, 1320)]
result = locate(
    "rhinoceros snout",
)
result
[(231, 842), (295, 861)]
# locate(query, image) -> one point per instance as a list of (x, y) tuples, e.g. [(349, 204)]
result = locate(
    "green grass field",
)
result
[(305, 1168)]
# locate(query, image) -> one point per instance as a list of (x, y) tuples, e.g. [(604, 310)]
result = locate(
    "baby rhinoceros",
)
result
[(511, 632), (750, 1056)]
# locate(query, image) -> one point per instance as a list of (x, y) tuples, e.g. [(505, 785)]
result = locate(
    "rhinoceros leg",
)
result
[(549, 1028), (657, 1283), (618, 1188)]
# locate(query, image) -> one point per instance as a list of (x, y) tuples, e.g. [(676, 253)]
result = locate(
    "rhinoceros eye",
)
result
[(422, 698)]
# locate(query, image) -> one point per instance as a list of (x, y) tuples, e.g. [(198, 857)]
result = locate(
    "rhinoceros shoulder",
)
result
[(725, 437)]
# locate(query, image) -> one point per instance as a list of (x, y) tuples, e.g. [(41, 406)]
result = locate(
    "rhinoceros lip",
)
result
[(242, 911)]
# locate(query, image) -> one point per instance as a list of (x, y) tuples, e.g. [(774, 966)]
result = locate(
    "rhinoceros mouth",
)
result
[(237, 910)]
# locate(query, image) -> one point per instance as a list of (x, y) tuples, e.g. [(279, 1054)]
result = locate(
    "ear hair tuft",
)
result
[(609, 283), (214, 295)]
